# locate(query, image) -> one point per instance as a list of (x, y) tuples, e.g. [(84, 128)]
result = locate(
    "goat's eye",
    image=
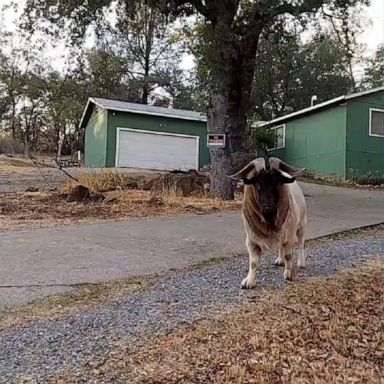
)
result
[(257, 186)]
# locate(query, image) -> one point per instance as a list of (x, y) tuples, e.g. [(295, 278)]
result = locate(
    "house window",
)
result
[(376, 127), (280, 137)]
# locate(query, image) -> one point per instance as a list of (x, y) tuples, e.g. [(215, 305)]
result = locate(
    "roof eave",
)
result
[(84, 113), (304, 111), (130, 110)]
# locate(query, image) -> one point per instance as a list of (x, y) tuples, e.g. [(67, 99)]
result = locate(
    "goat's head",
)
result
[(267, 176)]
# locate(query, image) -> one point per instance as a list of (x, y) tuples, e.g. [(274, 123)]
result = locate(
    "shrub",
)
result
[(8, 145), (371, 179)]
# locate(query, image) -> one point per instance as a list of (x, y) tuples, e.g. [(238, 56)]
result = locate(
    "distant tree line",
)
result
[(137, 58)]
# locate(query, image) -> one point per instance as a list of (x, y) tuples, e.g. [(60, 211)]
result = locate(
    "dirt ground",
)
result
[(27, 210), (19, 174), (46, 205)]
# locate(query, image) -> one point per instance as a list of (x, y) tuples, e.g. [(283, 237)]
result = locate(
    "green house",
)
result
[(121, 134), (341, 137)]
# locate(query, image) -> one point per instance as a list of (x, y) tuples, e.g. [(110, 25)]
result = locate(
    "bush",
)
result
[(262, 139), (8, 146), (371, 179)]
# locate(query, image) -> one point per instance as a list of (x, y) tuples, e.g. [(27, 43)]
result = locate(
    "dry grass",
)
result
[(106, 180), (26, 210), (15, 165), (327, 331), (81, 297)]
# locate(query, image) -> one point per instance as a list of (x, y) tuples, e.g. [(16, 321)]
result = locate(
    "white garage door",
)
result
[(156, 150)]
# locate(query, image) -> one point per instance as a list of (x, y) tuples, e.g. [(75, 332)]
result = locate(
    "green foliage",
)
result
[(374, 73), (289, 72), (261, 139)]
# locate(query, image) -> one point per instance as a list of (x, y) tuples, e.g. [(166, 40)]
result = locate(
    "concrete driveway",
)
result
[(44, 261)]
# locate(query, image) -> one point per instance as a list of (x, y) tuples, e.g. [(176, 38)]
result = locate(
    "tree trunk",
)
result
[(145, 93), (148, 40), (229, 112), (221, 159), (13, 123)]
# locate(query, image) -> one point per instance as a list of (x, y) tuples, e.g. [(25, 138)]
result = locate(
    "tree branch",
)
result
[(286, 8), (199, 6)]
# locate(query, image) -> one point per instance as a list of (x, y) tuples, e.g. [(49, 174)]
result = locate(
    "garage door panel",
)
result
[(156, 151)]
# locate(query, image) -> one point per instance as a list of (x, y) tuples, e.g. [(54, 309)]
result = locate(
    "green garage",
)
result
[(122, 134), (340, 137)]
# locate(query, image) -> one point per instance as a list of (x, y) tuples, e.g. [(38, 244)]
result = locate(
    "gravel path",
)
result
[(36, 352)]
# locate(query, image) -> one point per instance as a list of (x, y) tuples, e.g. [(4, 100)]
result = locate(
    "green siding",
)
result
[(365, 153), (155, 123), (96, 139), (317, 141)]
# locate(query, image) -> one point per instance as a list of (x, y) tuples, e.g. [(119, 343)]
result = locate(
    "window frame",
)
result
[(275, 148), (371, 110)]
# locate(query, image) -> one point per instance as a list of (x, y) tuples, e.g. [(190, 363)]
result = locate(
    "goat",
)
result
[(274, 214)]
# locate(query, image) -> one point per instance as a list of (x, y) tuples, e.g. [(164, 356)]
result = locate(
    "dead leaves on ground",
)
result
[(330, 330)]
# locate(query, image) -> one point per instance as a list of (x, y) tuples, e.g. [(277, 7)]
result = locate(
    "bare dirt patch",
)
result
[(329, 330), (123, 191), (25, 210)]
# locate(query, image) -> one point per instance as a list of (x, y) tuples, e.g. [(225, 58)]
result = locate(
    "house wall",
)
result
[(317, 142), (155, 123), (365, 153), (96, 139)]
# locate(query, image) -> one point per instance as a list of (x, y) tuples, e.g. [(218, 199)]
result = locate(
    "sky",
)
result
[(374, 34), (371, 38)]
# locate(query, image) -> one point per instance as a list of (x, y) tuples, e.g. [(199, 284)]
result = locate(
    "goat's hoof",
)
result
[(288, 275), (279, 263), (301, 265), (247, 284)]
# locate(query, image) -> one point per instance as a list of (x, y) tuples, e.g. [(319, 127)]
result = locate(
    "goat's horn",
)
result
[(242, 173), (279, 164)]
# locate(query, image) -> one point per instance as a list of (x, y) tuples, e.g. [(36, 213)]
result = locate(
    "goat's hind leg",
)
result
[(254, 261)]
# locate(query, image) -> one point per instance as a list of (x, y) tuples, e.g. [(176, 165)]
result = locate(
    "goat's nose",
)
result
[(269, 208), (269, 211)]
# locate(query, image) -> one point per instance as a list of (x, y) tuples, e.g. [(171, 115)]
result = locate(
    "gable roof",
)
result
[(143, 109), (328, 103)]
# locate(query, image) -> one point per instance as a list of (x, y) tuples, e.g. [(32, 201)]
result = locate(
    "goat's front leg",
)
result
[(288, 270), (254, 261), (280, 258)]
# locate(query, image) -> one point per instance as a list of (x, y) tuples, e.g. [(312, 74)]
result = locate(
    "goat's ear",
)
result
[(279, 164), (243, 173)]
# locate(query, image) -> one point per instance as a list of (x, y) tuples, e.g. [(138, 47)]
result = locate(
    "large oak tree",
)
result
[(233, 28)]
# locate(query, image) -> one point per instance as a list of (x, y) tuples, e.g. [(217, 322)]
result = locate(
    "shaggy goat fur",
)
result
[(289, 225)]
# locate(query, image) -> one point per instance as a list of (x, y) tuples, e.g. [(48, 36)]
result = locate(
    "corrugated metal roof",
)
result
[(144, 109), (316, 107)]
